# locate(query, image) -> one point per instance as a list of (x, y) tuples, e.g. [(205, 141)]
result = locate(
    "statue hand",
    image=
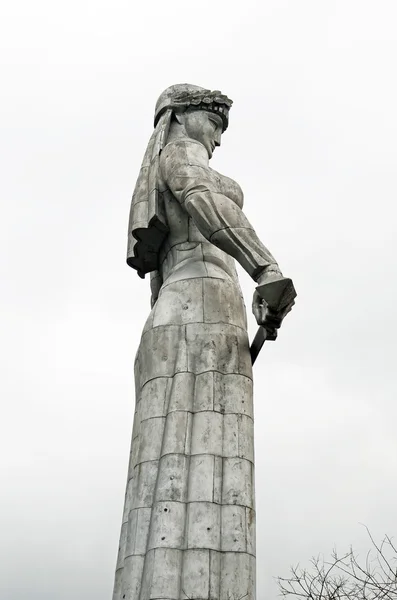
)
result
[(266, 317), (259, 308)]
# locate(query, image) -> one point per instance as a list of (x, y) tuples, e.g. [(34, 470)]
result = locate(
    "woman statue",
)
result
[(188, 528)]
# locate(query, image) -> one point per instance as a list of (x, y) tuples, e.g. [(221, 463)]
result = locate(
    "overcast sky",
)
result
[(312, 141)]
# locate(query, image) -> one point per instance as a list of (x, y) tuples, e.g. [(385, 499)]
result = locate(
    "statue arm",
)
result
[(185, 170)]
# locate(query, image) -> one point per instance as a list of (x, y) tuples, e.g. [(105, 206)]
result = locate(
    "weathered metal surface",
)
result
[(188, 527)]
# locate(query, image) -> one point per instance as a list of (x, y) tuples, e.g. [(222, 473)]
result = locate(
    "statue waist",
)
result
[(196, 259)]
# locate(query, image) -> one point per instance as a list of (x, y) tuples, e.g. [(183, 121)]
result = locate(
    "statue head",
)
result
[(201, 114)]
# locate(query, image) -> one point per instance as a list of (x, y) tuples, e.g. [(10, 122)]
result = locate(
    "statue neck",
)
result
[(176, 132)]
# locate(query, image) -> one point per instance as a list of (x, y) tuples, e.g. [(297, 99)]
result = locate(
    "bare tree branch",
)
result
[(347, 577)]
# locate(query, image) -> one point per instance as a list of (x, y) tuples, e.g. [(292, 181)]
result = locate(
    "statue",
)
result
[(188, 527)]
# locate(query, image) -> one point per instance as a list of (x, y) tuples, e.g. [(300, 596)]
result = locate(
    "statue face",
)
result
[(205, 127)]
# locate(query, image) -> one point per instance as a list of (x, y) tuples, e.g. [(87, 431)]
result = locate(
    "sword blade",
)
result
[(257, 343), (261, 336)]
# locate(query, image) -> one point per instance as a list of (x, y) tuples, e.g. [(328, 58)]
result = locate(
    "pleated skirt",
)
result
[(188, 529)]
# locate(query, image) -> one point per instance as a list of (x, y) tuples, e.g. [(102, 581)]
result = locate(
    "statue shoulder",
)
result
[(183, 153)]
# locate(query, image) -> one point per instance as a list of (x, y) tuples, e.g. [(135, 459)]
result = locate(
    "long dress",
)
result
[(188, 528)]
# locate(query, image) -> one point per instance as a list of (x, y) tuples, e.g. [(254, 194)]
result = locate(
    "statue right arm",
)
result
[(184, 166)]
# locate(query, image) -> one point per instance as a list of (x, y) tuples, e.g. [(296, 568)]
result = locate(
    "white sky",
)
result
[(312, 141)]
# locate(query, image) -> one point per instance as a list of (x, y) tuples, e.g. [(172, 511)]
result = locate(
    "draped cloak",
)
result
[(147, 226)]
